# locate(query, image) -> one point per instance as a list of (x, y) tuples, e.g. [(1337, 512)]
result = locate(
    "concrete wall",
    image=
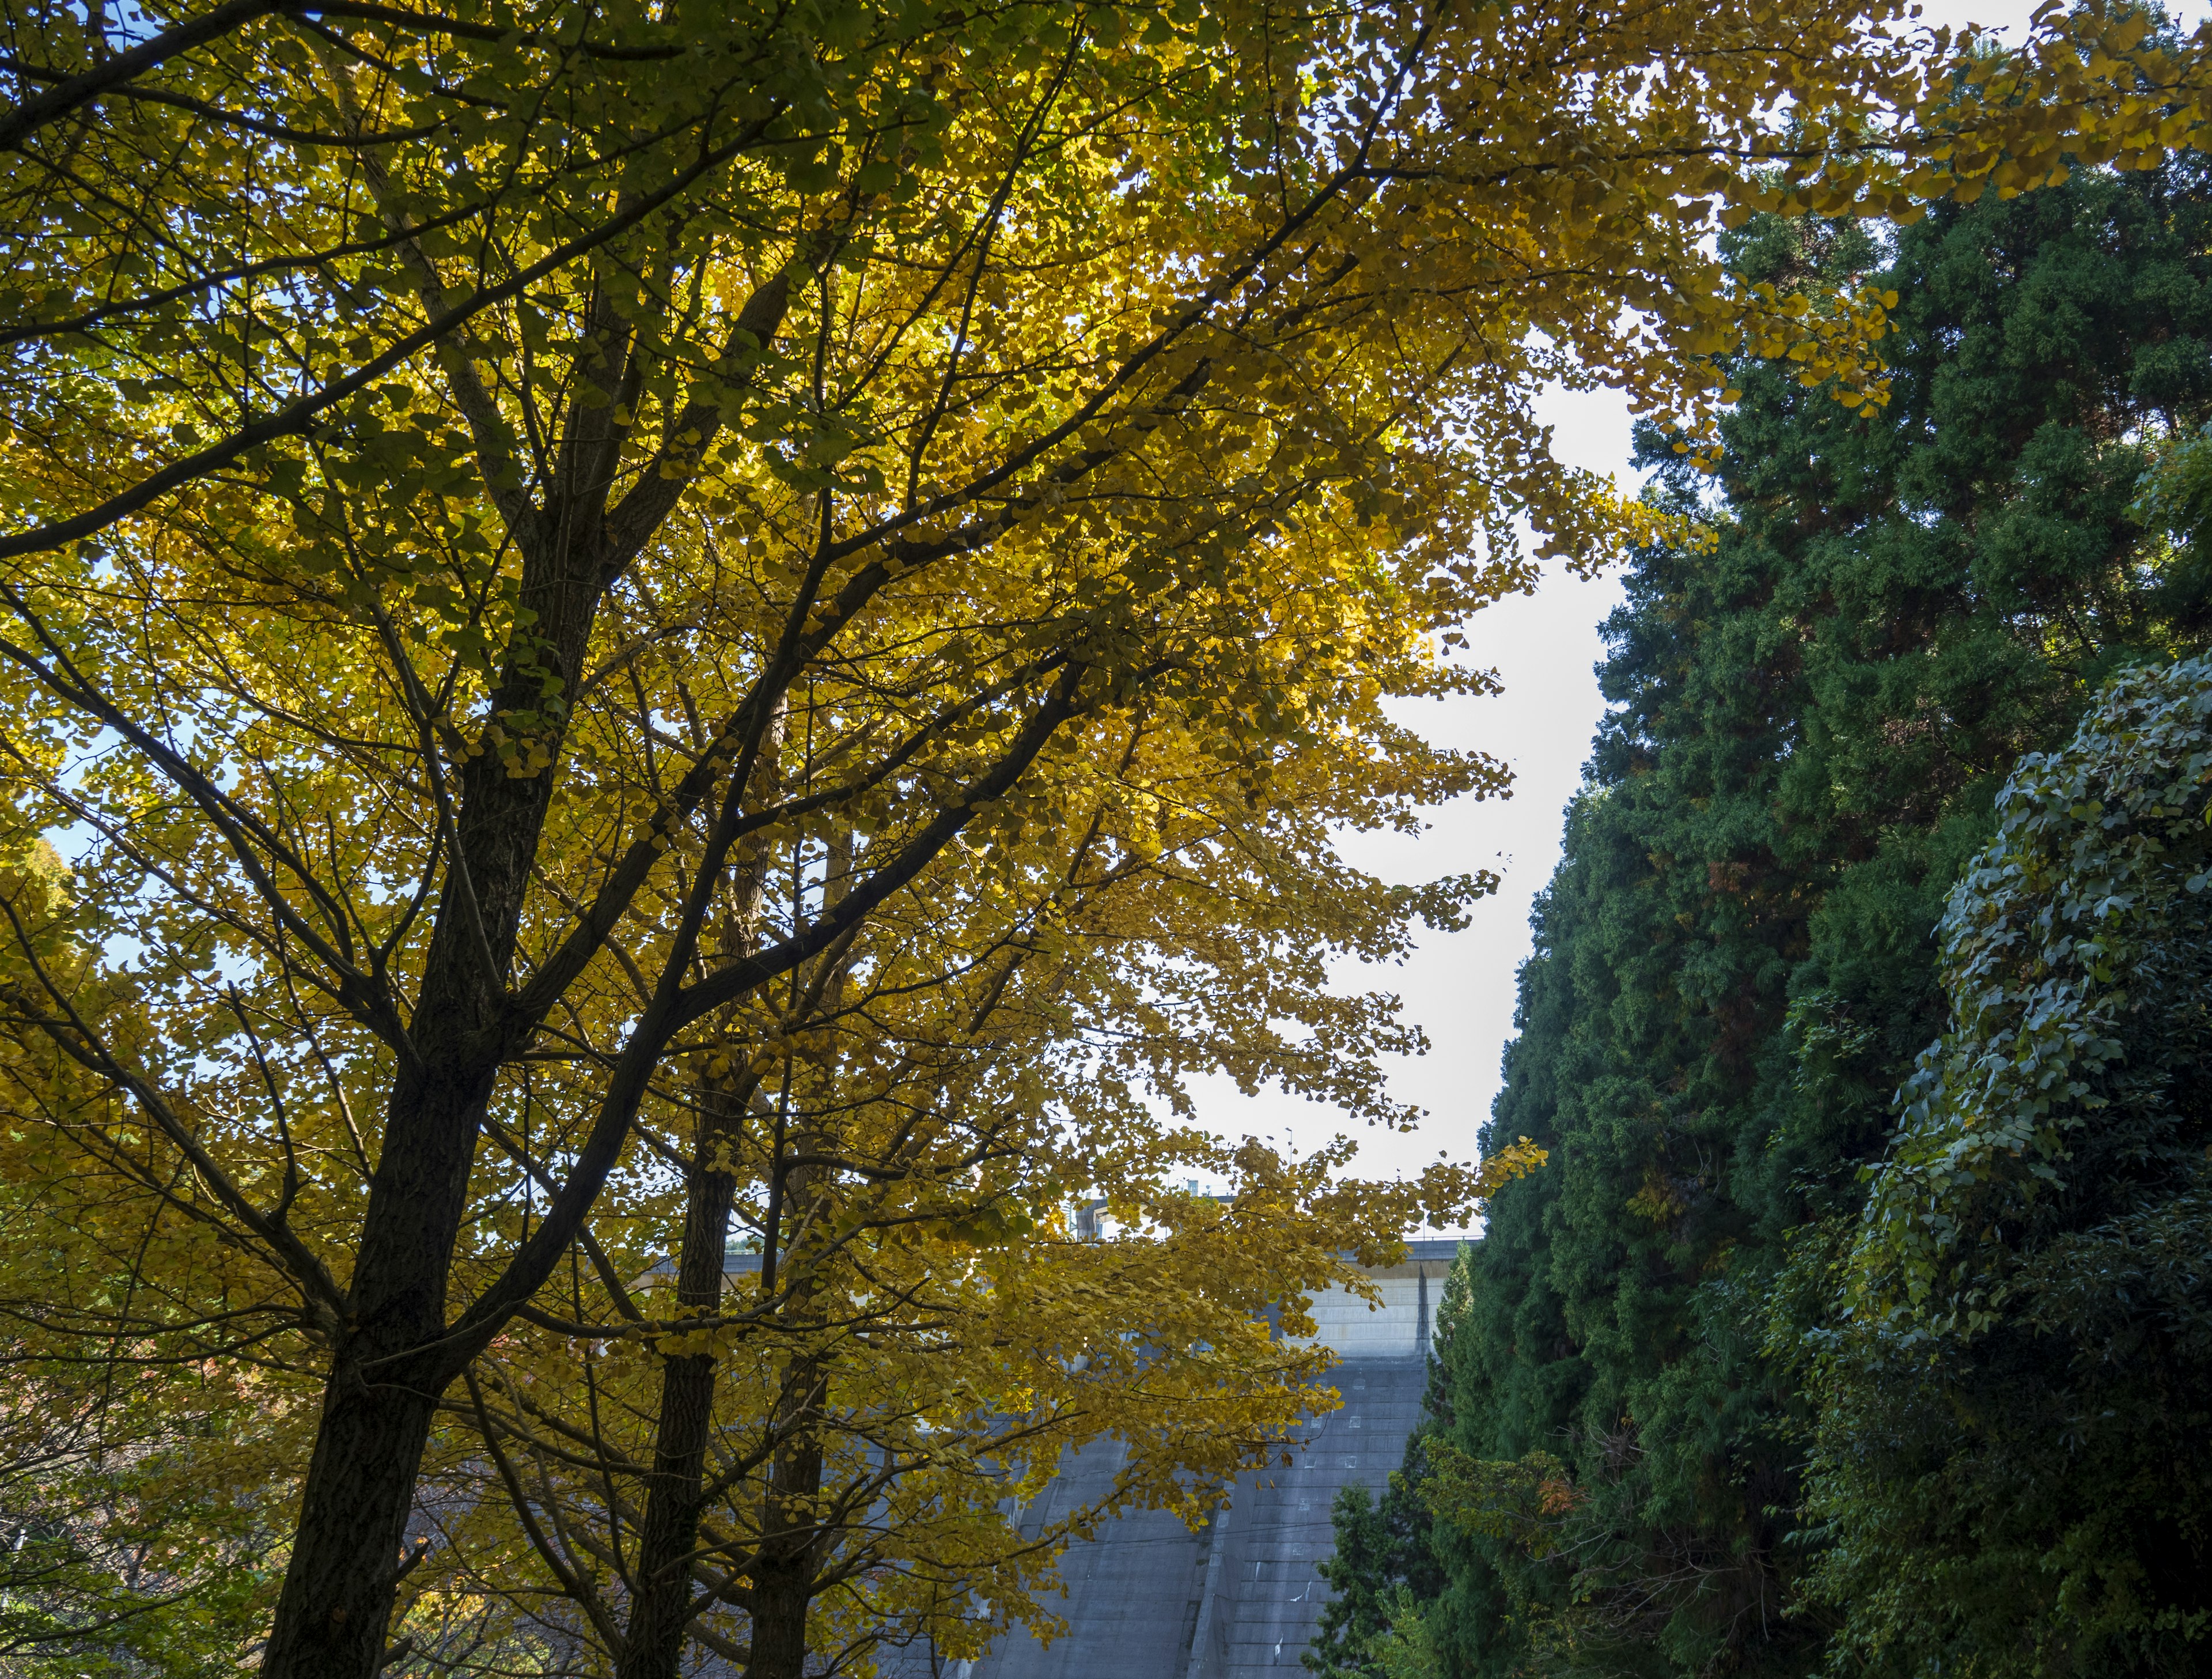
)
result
[(1395, 1328), (1148, 1599), (1270, 1592)]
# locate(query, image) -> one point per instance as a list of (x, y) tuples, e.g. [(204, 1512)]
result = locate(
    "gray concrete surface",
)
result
[(1135, 1591), (1147, 1599), (1279, 1530)]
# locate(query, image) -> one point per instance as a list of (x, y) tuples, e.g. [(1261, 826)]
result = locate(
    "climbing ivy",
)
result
[(2010, 1466)]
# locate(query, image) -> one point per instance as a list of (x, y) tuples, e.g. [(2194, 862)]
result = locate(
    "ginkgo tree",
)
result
[(388, 390), (898, 1126)]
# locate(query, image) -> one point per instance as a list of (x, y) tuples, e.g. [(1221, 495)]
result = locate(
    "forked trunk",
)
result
[(391, 1365)]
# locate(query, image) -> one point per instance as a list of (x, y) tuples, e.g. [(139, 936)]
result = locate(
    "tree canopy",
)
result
[(538, 536)]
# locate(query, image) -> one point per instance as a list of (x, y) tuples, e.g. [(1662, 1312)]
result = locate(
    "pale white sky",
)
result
[(1460, 987)]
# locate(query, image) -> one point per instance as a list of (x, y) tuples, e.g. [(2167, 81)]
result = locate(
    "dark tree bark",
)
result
[(661, 1602), (387, 1372), (344, 1565), (787, 1558), (790, 1555)]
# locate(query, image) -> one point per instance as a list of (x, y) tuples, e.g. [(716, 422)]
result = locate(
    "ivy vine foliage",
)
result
[(2015, 1385), (2078, 923), (1734, 965)]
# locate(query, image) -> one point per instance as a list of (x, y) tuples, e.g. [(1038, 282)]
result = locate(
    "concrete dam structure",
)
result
[(1149, 1599)]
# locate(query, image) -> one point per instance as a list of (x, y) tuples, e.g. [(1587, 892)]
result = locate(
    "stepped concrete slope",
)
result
[(1137, 1589), (1148, 1599)]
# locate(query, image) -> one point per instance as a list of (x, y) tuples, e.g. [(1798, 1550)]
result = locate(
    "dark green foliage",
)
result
[(1734, 966), (1381, 1550), (2013, 1459)]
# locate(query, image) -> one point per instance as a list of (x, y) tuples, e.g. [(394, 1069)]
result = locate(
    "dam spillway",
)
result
[(1149, 1599)]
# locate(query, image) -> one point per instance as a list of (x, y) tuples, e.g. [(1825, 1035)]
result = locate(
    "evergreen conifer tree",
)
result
[(1734, 966)]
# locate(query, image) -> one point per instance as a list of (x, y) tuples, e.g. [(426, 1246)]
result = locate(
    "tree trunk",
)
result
[(389, 1369), (791, 1535), (382, 1393), (346, 1550), (782, 1593), (660, 1604), (791, 1538)]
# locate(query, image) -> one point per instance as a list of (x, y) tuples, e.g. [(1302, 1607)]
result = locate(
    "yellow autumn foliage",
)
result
[(558, 559)]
